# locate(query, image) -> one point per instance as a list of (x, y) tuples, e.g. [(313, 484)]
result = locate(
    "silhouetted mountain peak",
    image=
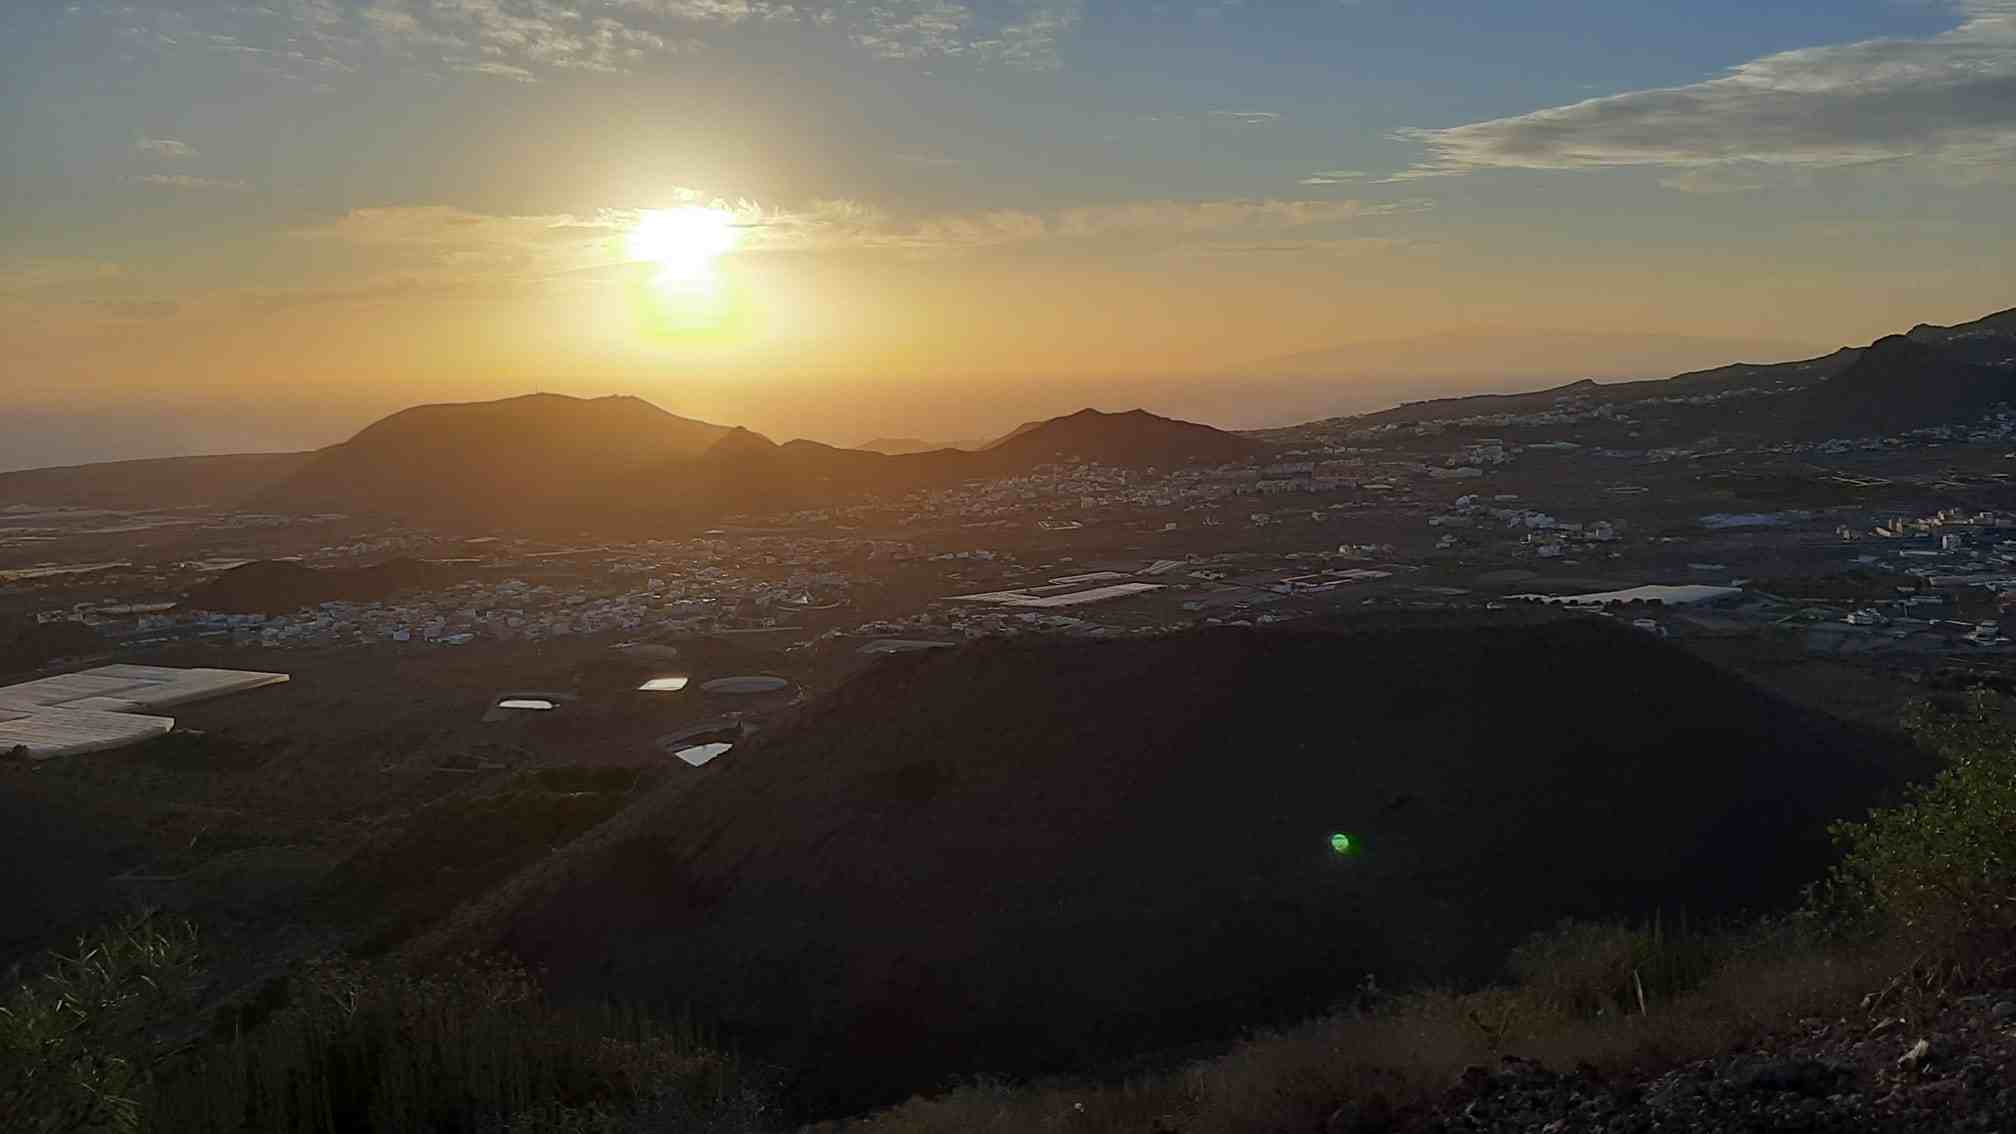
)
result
[(1131, 438), (527, 460), (738, 441)]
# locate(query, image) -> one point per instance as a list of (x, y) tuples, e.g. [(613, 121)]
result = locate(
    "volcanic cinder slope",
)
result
[(1022, 858)]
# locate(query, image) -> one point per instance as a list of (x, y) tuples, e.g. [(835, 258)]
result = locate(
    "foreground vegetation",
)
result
[(106, 1039), (1923, 901)]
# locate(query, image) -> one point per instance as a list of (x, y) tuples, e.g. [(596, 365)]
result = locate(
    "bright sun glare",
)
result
[(683, 243)]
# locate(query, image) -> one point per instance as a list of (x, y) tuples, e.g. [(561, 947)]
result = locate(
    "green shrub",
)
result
[(106, 1039), (1939, 869), (81, 1041)]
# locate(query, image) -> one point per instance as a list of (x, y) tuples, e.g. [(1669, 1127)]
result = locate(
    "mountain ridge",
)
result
[(547, 460), (1944, 364)]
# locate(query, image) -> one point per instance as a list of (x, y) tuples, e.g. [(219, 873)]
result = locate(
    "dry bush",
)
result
[(987, 1107), (1375, 1067)]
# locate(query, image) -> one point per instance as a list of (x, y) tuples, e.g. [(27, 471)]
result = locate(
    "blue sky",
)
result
[(919, 184)]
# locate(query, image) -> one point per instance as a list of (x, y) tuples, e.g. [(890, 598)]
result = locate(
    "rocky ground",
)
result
[(1955, 1071)]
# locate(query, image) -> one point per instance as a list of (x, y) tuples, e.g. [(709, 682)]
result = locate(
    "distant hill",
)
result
[(224, 481), (1024, 857), (1906, 382), (747, 473), (530, 461), (1010, 435), (895, 446), (278, 586), (1740, 375), (1522, 354), (1134, 439), (550, 462), (1988, 340), (1928, 376)]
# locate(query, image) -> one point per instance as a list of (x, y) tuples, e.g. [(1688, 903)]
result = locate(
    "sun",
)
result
[(683, 243)]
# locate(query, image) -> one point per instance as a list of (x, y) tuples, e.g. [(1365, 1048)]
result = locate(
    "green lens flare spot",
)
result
[(1342, 843)]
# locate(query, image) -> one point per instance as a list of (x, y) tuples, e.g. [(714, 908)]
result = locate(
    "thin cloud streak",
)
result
[(440, 249), (163, 148), (186, 181)]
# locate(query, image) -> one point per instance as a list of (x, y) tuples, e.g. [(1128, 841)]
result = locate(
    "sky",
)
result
[(259, 225)]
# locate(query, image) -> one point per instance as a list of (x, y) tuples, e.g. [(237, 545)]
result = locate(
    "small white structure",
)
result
[(108, 707), (699, 754), (74, 732)]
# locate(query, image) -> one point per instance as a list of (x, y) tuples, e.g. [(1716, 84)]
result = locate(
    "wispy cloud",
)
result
[(390, 290), (1219, 215), (709, 11), (164, 148), (1030, 41), (1333, 177), (139, 308), (1949, 99), (1710, 179), (494, 68), (60, 277), (1245, 117), (426, 246), (187, 181), (429, 246), (1021, 34), (832, 225), (99, 287), (529, 40)]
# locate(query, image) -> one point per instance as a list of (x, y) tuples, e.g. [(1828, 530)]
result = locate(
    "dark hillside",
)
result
[(1899, 384), (1022, 857), (892, 446), (1736, 376), (1135, 439), (1989, 340), (745, 472), (521, 462), (168, 482), (277, 586)]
